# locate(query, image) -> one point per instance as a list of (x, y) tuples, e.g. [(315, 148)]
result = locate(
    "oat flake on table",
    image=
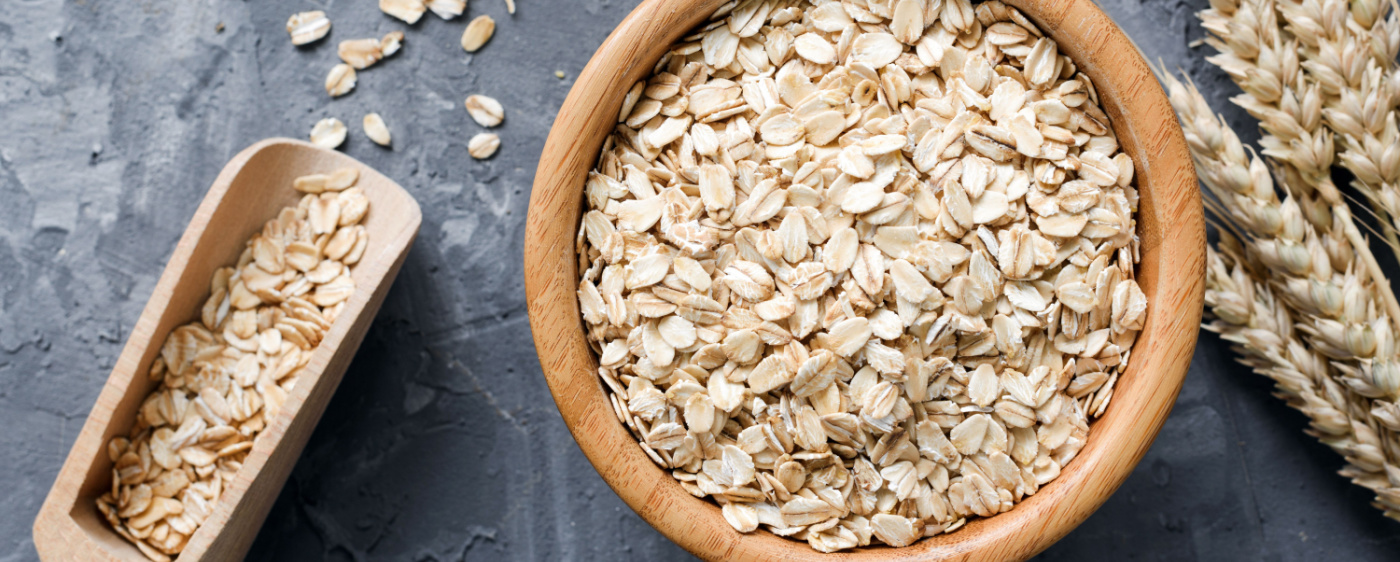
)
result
[(308, 27), (859, 271)]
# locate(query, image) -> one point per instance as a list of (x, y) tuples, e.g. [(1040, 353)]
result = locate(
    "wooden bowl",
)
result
[(249, 191), (1172, 274)]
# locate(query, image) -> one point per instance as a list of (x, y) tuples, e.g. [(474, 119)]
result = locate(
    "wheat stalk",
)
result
[(1263, 60)]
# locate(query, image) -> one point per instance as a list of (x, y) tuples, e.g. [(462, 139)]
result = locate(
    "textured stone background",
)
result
[(442, 443)]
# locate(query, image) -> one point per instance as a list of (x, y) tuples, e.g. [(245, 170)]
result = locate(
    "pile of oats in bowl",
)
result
[(224, 377), (861, 268)]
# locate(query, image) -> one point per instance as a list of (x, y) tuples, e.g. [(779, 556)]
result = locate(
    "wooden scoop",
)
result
[(249, 191)]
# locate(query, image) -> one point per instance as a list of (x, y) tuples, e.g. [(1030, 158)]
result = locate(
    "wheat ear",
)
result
[(1349, 51), (1272, 319), (1263, 61), (1260, 327), (1313, 266)]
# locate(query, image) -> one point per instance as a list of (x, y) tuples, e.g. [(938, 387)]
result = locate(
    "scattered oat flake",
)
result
[(391, 43), (308, 27), (407, 10), (486, 111), (340, 80), (478, 32), (447, 9), (483, 145), (328, 133), (360, 53), (510, 6), (377, 130)]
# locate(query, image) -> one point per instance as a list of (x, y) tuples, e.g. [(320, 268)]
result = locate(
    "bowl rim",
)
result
[(1172, 273)]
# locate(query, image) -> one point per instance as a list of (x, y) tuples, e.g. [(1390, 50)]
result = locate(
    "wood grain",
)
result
[(250, 190), (1172, 273)]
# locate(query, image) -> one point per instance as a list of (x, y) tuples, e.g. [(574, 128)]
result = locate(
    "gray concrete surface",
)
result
[(442, 443)]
